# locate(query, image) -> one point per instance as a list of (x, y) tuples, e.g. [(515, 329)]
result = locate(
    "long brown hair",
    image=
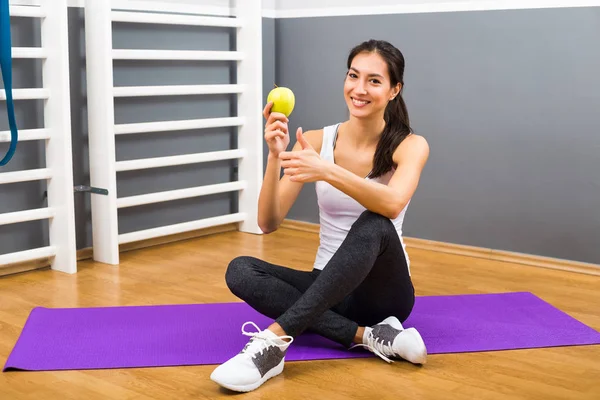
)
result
[(397, 126)]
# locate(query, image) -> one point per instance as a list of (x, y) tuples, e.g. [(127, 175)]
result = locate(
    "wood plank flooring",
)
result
[(192, 272)]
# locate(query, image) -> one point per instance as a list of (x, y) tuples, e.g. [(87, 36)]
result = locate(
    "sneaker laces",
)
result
[(376, 347), (255, 346)]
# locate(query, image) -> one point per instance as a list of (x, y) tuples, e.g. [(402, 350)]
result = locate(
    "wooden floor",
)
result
[(192, 272)]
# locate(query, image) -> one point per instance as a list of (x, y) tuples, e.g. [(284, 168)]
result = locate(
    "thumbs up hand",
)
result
[(305, 164)]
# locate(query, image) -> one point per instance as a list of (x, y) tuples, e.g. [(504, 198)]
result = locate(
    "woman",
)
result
[(366, 170)]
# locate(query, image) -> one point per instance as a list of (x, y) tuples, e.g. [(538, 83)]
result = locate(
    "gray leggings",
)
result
[(366, 281)]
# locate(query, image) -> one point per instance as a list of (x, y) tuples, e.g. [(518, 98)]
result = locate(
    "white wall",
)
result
[(308, 8), (312, 8), (217, 6)]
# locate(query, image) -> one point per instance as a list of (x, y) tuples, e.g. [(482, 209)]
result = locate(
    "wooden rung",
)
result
[(158, 162), (25, 216), (27, 255), (190, 55), (167, 126), (29, 52), (26, 11), (26, 134), (180, 228), (175, 90), (27, 94), (179, 194), (173, 19), (25, 176)]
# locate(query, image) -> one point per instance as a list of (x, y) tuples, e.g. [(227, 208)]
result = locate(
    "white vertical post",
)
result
[(57, 118), (98, 39), (250, 105)]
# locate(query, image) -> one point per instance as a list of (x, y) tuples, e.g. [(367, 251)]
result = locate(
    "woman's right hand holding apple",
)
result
[(276, 131)]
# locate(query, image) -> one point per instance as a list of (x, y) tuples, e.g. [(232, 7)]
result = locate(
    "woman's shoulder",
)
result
[(413, 147), (415, 140)]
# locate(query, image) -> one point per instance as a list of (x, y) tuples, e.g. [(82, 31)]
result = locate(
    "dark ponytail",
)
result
[(397, 126)]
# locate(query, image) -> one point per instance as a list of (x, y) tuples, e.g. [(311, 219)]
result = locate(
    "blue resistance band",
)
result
[(6, 66)]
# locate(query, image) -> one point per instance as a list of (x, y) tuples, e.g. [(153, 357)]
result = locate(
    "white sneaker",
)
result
[(389, 339), (260, 360)]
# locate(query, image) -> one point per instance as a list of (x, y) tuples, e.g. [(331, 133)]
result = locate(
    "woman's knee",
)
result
[(237, 273), (374, 222)]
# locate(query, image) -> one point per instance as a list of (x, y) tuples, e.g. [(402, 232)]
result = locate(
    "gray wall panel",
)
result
[(508, 101)]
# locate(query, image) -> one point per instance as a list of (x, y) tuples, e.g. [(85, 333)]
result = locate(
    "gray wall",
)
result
[(16, 197), (269, 67), (508, 101)]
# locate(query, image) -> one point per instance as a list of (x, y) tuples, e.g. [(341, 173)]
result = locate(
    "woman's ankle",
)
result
[(278, 330), (358, 337)]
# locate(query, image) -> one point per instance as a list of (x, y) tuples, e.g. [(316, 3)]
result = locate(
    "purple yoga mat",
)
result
[(172, 335)]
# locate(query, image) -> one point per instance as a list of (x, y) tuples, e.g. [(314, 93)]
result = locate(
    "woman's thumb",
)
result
[(303, 142)]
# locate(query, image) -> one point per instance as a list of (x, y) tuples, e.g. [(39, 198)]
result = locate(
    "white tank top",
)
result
[(338, 211)]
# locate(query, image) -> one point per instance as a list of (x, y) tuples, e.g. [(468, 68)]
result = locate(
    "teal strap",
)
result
[(6, 66)]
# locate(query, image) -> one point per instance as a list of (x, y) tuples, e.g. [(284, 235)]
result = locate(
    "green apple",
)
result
[(283, 100)]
